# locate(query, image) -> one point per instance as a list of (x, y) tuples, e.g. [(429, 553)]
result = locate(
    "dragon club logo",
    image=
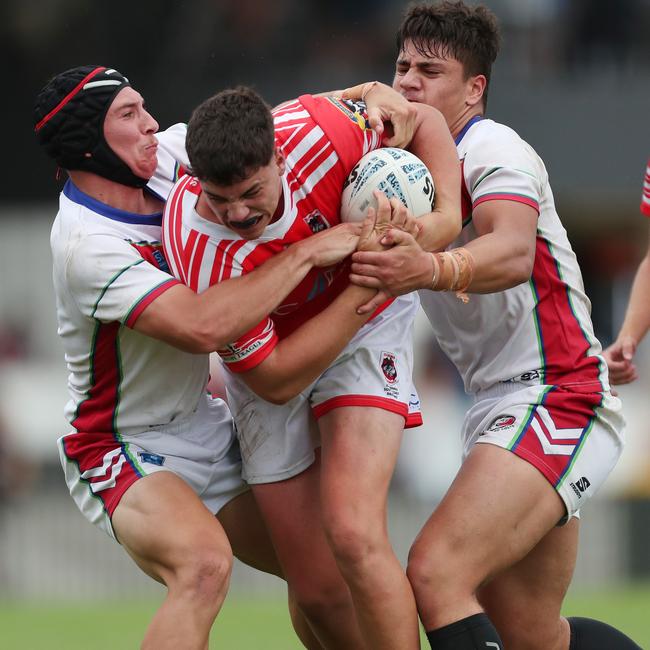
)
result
[(388, 367)]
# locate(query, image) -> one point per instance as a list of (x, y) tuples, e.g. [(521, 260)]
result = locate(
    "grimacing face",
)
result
[(129, 131), (434, 80), (247, 207)]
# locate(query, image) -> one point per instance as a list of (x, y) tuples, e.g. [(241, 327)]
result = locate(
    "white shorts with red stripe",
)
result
[(572, 434), (203, 450), (373, 370)]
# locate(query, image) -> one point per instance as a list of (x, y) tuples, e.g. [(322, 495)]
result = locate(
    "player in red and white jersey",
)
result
[(149, 448), (620, 354), (490, 566), (262, 182)]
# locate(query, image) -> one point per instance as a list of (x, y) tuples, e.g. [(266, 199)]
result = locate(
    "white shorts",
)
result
[(203, 450), (571, 434), (374, 369)]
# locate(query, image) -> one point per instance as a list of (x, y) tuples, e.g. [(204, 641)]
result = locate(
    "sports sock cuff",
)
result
[(475, 631), (589, 634)]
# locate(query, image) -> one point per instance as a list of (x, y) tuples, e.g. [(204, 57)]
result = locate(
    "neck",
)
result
[(457, 125), (117, 195)]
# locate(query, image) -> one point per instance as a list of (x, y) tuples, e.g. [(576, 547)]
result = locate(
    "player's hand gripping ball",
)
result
[(394, 172)]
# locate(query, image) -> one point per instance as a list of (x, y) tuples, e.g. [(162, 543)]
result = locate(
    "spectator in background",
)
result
[(620, 354)]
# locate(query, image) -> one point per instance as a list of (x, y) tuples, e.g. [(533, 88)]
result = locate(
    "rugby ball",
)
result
[(396, 173)]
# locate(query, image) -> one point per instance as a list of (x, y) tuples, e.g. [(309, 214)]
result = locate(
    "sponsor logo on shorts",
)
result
[(388, 367), (580, 486), (316, 221), (153, 459), (531, 375), (502, 423)]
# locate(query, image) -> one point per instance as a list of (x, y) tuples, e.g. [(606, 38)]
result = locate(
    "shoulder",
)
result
[(494, 145)]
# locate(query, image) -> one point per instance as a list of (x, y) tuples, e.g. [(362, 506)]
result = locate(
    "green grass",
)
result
[(245, 624)]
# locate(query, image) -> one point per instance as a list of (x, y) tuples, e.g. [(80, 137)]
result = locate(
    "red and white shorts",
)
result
[(373, 370), (202, 449), (571, 434)]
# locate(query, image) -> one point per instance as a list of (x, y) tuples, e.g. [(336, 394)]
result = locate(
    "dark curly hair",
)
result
[(453, 29), (230, 136)]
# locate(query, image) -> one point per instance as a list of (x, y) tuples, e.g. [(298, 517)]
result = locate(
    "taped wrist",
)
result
[(359, 91), (453, 271)]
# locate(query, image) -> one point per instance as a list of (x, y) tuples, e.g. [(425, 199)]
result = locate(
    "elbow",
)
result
[(275, 392), (277, 395), (521, 268), (202, 337)]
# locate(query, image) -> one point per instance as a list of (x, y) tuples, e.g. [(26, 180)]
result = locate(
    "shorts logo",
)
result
[(153, 459), (502, 422), (388, 367), (316, 221), (580, 486)]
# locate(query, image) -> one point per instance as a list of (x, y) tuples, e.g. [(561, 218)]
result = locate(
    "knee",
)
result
[(204, 574), (322, 601), (436, 568), (353, 542)]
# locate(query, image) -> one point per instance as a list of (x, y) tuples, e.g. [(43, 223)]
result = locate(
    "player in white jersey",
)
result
[(491, 566), (136, 341), (261, 182), (620, 355)]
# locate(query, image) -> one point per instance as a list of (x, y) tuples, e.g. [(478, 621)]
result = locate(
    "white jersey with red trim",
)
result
[(645, 196), (108, 266), (321, 140), (539, 331)]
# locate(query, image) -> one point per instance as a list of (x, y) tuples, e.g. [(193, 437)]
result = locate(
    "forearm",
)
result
[(232, 307), (433, 144), (208, 321), (497, 265), (306, 353), (637, 315)]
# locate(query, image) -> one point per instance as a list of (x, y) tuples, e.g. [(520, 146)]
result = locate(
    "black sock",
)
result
[(472, 633), (587, 634)]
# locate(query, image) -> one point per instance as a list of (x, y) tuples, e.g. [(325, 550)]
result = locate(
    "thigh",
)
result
[(359, 448), (525, 600), (161, 522), (292, 512), (535, 586), (495, 511), (248, 535)]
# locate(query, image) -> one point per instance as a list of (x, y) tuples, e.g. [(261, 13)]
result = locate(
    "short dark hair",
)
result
[(230, 136), (453, 29)]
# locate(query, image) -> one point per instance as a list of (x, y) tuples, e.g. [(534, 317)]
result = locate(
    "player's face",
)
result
[(247, 207), (129, 132), (433, 80)]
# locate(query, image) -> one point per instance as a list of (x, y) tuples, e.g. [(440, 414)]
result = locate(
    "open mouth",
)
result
[(246, 224)]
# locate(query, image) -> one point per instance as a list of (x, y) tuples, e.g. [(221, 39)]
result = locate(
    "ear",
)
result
[(475, 89), (279, 160)]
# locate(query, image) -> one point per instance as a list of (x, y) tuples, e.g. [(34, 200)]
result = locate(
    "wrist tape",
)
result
[(453, 271)]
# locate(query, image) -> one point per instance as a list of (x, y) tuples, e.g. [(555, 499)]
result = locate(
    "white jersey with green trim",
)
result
[(539, 331), (108, 266)]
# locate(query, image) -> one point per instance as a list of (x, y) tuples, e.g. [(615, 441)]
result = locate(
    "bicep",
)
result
[(514, 222), (169, 317)]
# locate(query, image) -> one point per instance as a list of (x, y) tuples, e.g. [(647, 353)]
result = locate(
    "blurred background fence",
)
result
[(572, 79)]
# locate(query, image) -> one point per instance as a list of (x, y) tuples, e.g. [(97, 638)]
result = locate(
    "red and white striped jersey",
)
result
[(321, 140), (539, 331), (108, 265), (645, 196)]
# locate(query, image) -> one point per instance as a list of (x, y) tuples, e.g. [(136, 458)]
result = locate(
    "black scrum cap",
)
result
[(69, 118)]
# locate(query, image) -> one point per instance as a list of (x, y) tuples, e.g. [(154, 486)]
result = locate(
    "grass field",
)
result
[(245, 624)]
